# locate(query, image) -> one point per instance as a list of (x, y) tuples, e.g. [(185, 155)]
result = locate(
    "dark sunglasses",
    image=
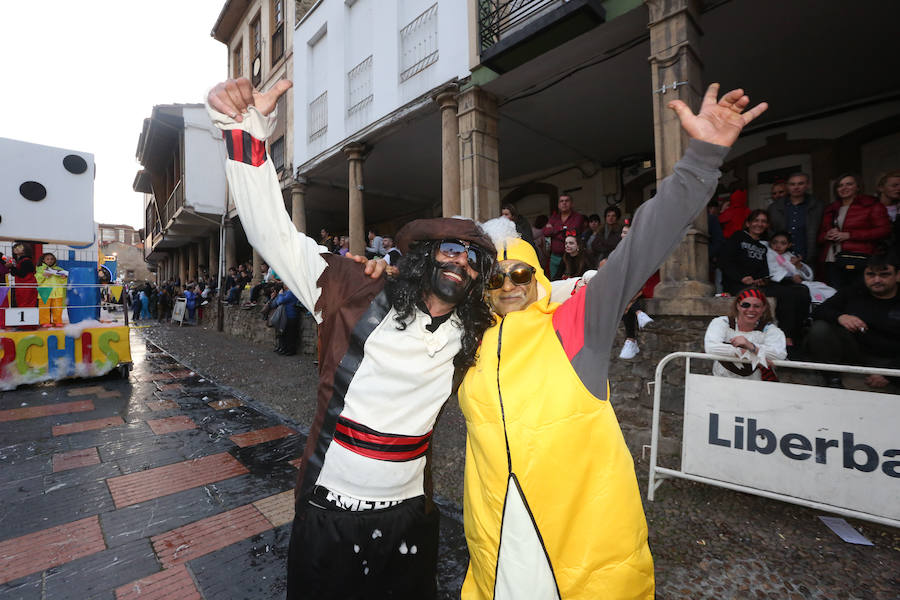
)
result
[(518, 276), (748, 305), (453, 248)]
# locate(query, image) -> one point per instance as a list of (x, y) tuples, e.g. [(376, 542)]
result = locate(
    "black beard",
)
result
[(449, 291)]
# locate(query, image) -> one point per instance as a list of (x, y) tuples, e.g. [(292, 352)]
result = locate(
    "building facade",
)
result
[(571, 96), (183, 181), (259, 38), (126, 245)]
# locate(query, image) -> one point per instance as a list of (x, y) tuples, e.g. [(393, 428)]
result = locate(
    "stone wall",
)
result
[(631, 381), (248, 324)]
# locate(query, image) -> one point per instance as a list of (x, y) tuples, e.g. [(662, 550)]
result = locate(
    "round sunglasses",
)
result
[(521, 275), (453, 248)]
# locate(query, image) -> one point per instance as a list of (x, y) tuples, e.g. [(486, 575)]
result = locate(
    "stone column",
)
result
[(676, 72), (298, 204), (230, 247), (193, 260), (183, 264), (356, 213), (478, 155), (214, 255), (449, 153), (257, 261), (202, 256)]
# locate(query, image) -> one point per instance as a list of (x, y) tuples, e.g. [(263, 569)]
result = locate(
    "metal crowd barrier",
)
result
[(870, 492)]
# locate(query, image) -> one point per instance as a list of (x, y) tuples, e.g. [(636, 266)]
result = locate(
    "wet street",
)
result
[(161, 486), (171, 485)]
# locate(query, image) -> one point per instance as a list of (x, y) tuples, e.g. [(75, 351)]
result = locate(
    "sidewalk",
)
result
[(164, 486)]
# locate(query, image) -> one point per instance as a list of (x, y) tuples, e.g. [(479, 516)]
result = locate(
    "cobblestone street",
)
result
[(178, 482)]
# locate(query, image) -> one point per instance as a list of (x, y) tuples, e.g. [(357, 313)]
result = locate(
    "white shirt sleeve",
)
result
[(257, 196), (716, 339), (774, 345), (777, 268)]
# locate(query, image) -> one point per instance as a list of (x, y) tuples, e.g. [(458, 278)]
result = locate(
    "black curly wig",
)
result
[(413, 283)]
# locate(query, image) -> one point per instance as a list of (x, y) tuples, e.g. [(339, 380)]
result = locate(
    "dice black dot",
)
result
[(32, 190), (75, 164)]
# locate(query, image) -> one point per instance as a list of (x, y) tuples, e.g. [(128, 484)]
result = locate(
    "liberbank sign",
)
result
[(830, 446)]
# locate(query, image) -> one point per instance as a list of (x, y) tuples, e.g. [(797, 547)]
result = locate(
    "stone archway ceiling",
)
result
[(590, 99), (401, 173)]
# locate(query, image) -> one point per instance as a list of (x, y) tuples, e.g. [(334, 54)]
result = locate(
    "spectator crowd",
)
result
[(830, 266)]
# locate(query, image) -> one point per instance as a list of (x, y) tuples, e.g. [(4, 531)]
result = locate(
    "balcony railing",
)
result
[(359, 86), (318, 117), (497, 18), (419, 43), (173, 203)]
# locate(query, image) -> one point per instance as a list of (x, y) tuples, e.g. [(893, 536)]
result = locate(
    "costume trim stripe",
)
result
[(343, 375), (386, 455), (243, 147), (382, 446), (360, 431)]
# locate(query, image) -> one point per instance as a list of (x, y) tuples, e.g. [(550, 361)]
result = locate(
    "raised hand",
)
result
[(719, 122), (234, 96)]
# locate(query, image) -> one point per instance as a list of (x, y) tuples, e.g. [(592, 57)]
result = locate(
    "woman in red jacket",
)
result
[(851, 228)]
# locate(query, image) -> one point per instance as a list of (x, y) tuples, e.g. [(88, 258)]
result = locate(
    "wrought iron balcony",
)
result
[(512, 32)]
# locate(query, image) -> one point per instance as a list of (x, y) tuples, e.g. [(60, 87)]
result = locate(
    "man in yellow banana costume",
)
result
[(552, 507)]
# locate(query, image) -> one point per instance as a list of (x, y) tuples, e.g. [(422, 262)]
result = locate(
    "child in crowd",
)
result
[(51, 280), (784, 265)]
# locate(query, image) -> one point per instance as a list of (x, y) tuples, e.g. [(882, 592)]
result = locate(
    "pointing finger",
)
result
[(280, 88)]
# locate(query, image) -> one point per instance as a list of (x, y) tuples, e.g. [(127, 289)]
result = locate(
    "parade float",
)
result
[(48, 207)]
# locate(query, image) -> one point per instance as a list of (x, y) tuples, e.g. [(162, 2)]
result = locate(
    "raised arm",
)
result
[(660, 223), (247, 119)]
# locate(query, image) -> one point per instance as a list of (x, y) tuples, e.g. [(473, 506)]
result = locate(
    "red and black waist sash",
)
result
[(367, 442)]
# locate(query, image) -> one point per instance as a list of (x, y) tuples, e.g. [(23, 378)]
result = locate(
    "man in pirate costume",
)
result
[(551, 505), (364, 524)]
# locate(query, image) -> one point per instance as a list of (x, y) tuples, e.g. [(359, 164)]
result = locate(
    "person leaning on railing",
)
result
[(747, 331)]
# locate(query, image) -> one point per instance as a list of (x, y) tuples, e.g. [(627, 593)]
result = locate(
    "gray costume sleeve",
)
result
[(658, 226)]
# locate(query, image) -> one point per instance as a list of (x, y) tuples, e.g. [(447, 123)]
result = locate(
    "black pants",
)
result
[(833, 344), (286, 339), (792, 308), (368, 555), (839, 278), (629, 319)]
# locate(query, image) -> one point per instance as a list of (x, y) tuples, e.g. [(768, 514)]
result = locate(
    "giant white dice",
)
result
[(46, 193)]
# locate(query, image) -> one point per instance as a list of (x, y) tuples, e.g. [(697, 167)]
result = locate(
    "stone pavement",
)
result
[(163, 486)]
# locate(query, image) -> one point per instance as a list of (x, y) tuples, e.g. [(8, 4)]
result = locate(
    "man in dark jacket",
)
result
[(800, 214), (860, 325)]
